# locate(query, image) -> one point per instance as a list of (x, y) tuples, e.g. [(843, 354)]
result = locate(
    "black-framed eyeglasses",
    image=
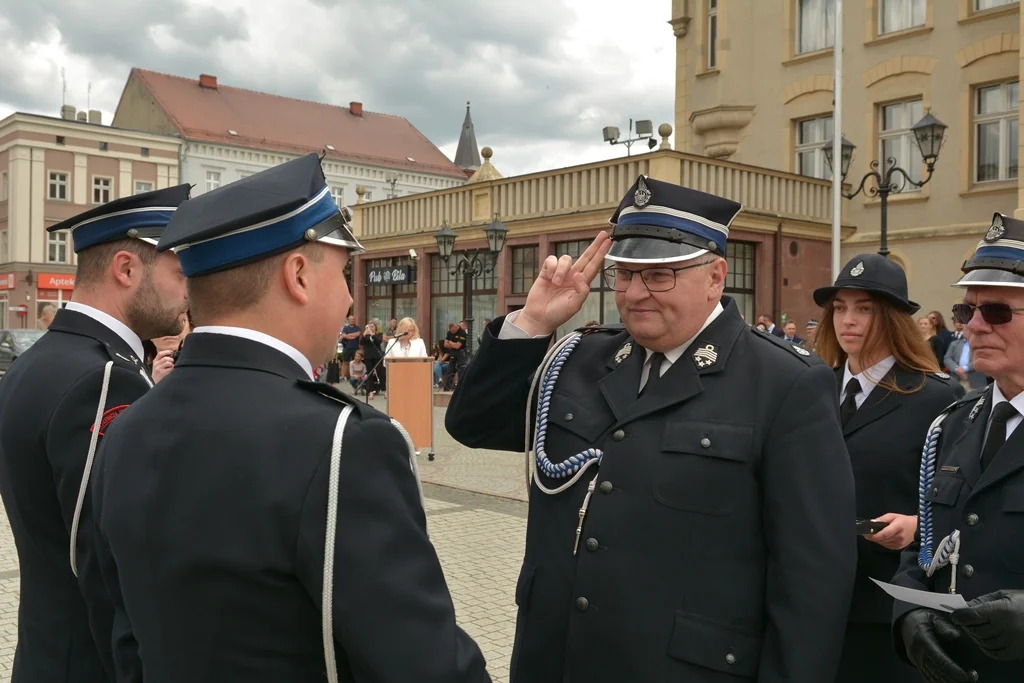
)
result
[(660, 279), (993, 314)]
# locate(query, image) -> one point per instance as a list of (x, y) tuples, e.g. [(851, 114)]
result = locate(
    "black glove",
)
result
[(923, 631), (996, 623)]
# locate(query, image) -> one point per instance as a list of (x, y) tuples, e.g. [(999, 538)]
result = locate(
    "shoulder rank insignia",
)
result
[(977, 408), (941, 375), (623, 353), (857, 270), (801, 350), (706, 356)]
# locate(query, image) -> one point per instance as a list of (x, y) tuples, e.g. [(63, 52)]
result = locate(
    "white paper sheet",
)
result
[(944, 602)]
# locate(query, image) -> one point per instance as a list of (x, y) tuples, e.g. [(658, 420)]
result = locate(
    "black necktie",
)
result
[(996, 432), (849, 406), (655, 373)]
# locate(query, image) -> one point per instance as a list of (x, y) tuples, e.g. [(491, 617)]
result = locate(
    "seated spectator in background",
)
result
[(789, 334), (440, 355), (356, 370)]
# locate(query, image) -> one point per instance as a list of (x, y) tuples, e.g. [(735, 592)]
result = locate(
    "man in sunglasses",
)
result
[(691, 505), (971, 517)]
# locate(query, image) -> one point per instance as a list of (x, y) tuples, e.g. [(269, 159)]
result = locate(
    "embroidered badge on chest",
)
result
[(706, 356), (623, 353)]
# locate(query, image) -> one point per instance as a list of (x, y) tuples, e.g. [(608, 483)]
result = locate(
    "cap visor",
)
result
[(342, 237), (990, 277), (649, 250), (149, 240)]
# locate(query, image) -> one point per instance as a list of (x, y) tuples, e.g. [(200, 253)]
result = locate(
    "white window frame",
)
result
[(907, 21), (213, 178), (57, 180), (59, 241), (338, 195), (148, 186), (817, 146), (976, 5), (1006, 118), (368, 196), (907, 143), (97, 185), (712, 37), (829, 36)]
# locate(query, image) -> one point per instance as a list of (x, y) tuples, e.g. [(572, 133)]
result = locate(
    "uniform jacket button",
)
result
[(593, 545), (618, 435), (606, 487), (705, 442), (582, 604), (972, 519), (968, 571), (568, 417), (730, 658)]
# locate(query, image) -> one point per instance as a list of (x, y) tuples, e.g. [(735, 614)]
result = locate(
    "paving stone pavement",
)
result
[(479, 540)]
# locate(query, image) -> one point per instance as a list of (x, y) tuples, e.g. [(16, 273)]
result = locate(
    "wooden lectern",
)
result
[(411, 399)]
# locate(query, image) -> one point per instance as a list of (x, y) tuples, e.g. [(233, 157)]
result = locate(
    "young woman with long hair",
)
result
[(890, 389)]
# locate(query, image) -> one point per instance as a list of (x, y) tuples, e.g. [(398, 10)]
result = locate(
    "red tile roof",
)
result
[(283, 124)]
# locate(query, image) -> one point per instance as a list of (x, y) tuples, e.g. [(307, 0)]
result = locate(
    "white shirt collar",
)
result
[(253, 335), (1017, 402), (673, 355), (868, 378), (115, 325)]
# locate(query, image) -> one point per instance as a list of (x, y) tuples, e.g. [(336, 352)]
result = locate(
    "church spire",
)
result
[(467, 156)]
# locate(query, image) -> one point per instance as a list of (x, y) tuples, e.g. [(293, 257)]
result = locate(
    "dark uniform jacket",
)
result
[(48, 404), (884, 438), (988, 509), (719, 542), (211, 504)]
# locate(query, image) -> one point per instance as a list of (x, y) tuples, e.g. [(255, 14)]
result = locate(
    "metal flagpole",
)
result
[(837, 139)]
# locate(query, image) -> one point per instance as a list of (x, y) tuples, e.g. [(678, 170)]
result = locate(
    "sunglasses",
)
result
[(993, 314)]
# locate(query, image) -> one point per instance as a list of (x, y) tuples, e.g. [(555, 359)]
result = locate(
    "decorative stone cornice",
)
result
[(721, 127), (680, 26)]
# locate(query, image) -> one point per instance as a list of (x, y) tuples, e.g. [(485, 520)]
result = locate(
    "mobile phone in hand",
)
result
[(869, 526)]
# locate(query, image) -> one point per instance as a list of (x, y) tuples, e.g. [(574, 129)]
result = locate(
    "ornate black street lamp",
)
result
[(928, 133), (471, 264)]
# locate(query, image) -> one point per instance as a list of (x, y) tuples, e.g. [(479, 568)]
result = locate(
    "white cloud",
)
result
[(544, 76)]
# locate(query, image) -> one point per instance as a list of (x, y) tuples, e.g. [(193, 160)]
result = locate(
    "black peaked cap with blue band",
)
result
[(257, 217), (998, 260), (142, 216), (658, 222)]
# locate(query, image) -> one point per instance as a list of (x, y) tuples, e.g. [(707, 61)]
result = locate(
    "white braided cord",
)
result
[(93, 442), (575, 466), (329, 540)]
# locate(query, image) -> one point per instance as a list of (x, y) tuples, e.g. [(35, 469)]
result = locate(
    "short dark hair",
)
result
[(94, 261), (213, 295)]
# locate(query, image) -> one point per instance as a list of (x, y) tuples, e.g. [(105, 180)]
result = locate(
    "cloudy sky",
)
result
[(544, 76)]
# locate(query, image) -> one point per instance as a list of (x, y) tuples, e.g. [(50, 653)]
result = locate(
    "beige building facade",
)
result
[(755, 86), (52, 169)]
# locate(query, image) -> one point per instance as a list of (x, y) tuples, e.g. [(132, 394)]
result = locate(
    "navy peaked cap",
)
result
[(256, 217), (142, 216)]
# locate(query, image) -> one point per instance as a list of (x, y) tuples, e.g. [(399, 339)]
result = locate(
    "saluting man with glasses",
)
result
[(691, 499), (971, 516)]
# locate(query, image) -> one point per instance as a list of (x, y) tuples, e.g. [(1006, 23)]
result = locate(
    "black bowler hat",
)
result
[(871, 273)]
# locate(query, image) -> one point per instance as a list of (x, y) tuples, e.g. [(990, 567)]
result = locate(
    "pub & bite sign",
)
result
[(390, 275)]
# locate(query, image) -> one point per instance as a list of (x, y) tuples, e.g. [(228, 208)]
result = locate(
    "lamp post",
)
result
[(928, 133), (472, 263), (644, 131)]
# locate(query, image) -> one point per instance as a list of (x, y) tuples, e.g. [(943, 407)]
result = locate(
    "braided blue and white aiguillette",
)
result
[(931, 557), (575, 466)]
